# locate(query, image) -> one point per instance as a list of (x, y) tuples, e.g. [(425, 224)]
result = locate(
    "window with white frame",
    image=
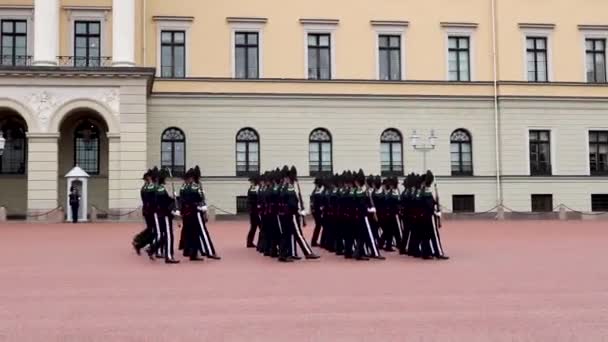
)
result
[(537, 51), (389, 57), (172, 57), (537, 59), (595, 60), (246, 54), (319, 48), (459, 54), (16, 30), (247, 46)]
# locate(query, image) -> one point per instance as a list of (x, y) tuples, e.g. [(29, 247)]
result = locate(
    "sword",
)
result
[(173, 190), (301, 202), (438, 218)]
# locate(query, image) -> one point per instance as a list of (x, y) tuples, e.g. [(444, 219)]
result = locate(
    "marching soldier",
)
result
[(316, 206), (201, 215), (150, 233), (254, 213), (431, 216), (164, 206), (190, 241)]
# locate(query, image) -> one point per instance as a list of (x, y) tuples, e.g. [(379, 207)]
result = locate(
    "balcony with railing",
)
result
[(8, 61)]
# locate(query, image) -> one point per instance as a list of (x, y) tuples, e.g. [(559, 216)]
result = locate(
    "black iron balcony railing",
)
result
[(540, 169), (84, 62), (15, 60)]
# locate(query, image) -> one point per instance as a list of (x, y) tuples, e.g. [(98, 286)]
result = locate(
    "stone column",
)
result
[(123, 33), (46, 32), (114, 173), (42, 169)]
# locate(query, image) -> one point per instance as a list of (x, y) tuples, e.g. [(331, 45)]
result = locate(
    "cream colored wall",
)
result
[(354, 36), (569, 122), (14, 194), (567, 41), (284, 126)]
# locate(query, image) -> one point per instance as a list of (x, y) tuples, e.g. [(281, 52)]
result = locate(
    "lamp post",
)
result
[(424, 148)]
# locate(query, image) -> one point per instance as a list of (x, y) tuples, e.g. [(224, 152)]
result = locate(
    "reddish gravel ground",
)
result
[(514, 281)]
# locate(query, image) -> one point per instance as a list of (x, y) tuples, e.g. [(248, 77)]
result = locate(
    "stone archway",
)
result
[(13, 162), (83, 141)]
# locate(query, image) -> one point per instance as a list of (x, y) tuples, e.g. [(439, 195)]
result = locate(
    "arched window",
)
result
[(462, 153), (12, 160), (173, 151), (86, 147), (391, 153), (247, 152), (319, 152)]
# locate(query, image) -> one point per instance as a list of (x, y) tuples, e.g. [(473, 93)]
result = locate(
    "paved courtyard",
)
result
[(512, 281)]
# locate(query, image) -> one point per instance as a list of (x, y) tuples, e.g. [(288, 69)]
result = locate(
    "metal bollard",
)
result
[(93, 214), (211, 214)]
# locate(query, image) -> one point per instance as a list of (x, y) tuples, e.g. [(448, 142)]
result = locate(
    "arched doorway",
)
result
[(83, 141), (13, 163)]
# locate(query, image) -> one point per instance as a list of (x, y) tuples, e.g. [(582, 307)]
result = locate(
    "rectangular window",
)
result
[(319, 56), (459, 64), (536, 55), (242, 205), (540, 152), (463, 203), (246, 54), (87, 43), (389, 56), (13, 43), (599, 202), (598, 152), (542, 203), (390, 159), (595, 52), (319, 154), (247, 161), (173, 54)]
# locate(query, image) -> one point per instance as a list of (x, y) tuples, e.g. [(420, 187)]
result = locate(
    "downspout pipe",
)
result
[(499, 199)]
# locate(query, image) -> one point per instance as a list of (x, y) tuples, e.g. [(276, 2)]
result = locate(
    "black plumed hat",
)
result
[(429, 178)]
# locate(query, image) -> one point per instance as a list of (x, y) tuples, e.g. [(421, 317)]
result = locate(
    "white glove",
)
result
[(438, 213), (203, 208), (371, 210), (176, 213), (303, 213)]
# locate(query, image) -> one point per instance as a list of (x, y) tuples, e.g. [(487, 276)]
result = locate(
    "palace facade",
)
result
[(505, 100)]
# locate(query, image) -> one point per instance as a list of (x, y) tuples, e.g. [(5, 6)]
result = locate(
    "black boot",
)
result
[(171, 261)]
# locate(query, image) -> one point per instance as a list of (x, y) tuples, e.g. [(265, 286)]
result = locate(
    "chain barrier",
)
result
[(221, 210), (116, 215), (43, 214)]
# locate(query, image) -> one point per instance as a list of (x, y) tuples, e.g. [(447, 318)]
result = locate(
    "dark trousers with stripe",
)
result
[(435, 238), (299, 236), (165, 225), (367, 237), (318, 225), (286, 244), (254, 224), (146, 236), (204, 237)]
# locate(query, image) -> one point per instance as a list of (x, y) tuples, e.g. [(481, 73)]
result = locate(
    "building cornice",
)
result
[(16, 7), (172, 18), (248, 20), (87, 8), (593, 27), (318, 21), (71, 72), (398, 23), (448, 24), (536, 26)]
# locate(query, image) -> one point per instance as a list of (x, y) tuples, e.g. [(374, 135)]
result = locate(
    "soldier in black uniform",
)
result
[(147, 236), (316, 207), (74, 203), (254, 210), (201, 214), (430, 221), (327, 214), (164, 217), (190, 241), (392, 225)]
